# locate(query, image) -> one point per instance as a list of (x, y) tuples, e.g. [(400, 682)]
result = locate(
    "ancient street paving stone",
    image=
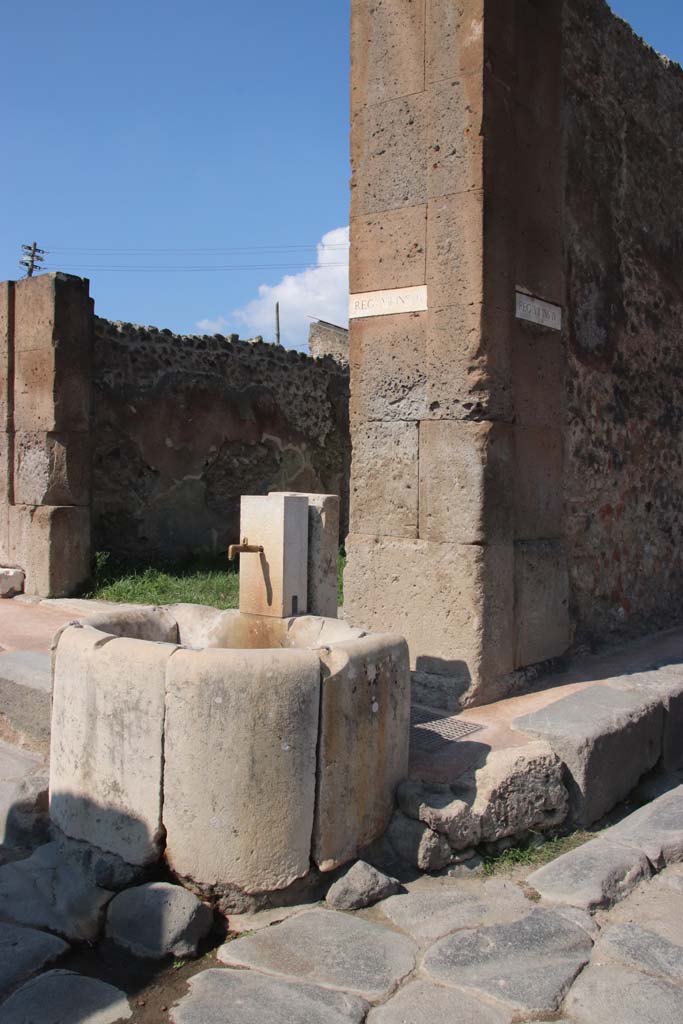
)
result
[(626, 997), (430, 912), (594, 875), (361, 886), (46, 891), (656, 829), (246, 997), (17, 768), (654, 906), (672, 878), (254, 922), (636, 947), (607, 738), (157, 920), (329, 949), (423, 1003), (24, 952), (527, 965), (581, 918), (62, 997)]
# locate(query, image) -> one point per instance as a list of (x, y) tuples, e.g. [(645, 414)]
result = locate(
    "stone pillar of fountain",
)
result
[(274, 581), (296, 573)]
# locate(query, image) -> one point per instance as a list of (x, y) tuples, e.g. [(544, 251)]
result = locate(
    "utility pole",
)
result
[(277, 323), (32, 258)]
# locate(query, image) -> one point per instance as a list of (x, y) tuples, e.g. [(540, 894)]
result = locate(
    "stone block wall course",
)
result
[(526, 146), (464, 147), (45, 416)]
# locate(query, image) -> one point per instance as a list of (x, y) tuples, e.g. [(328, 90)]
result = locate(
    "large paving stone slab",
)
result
[(429, 913), (641, 949), (528, 965), (27, 668), (23, 952), (158, 920), (656, 829), (665, 684), (239, 924), (25, 696), (46, 891), (329, 949), (672, 878), (62, 997), (23, 795), (628, 997), (594, 875), (245, 997), (607, 738), (420, 1002)]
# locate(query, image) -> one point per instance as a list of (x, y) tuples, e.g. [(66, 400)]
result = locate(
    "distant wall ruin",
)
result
[(185, 425), (140, 442), (329, 340)]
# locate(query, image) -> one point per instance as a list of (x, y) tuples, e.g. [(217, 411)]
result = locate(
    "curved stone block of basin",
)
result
[(246, 748)]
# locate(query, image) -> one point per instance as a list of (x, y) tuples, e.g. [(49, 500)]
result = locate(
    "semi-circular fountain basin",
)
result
[(243, 749)]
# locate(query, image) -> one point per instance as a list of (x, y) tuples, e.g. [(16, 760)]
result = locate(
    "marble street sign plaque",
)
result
[(388, 302), (537, 311)]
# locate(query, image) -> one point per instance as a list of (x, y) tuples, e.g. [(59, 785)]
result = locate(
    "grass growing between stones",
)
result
[(531, 856), (201, 580), (341, 565)]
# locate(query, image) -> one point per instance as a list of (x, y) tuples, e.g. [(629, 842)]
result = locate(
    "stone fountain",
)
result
[(252, 750)]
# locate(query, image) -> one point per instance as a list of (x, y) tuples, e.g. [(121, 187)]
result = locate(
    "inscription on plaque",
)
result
[(536, 311), (388, 302)]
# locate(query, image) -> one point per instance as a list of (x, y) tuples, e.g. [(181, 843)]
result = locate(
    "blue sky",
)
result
[(205, 126)]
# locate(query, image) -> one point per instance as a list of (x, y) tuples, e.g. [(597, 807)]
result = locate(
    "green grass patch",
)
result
[(200, 580), (341, 565), (535, 856)]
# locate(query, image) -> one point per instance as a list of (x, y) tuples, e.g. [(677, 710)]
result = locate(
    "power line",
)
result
[(105, 251), (118, 268), (32, 258)]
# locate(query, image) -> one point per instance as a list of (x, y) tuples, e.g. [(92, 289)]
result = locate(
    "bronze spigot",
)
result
[(244, 548)]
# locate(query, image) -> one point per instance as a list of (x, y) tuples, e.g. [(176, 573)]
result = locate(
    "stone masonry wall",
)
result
[(329, 340), (623, 236), (185, 425), (45, 416), (456, 490)]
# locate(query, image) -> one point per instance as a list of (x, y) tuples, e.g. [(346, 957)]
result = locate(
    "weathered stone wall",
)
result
[(456, 490), (185, 425), (329, 340), (45, 410), (623, 234)]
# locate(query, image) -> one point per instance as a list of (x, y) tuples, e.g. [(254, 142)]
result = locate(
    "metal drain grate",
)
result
[(432, 731)]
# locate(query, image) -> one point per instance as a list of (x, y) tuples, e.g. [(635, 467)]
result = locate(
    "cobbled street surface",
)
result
[(457, 952)]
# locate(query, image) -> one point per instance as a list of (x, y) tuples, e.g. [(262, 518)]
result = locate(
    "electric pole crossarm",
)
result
[(32, 258)]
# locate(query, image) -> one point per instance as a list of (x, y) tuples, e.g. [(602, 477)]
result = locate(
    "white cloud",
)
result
[(320, 291), (218, 326)]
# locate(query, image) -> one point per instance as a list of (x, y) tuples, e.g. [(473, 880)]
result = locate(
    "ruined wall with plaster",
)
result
[(185, 425), (623, 235)]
